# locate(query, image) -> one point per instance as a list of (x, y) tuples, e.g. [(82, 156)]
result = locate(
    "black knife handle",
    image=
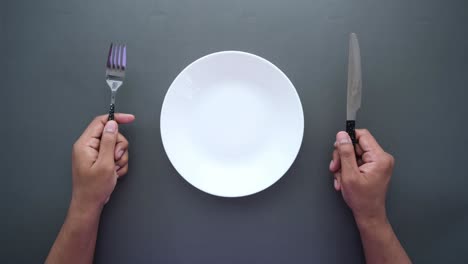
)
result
[(111, 112), (350, 129)]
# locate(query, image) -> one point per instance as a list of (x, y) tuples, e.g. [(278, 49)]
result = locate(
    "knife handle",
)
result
[(350, 129)]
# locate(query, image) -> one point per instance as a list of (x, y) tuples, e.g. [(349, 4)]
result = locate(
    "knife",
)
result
[(354, 86)]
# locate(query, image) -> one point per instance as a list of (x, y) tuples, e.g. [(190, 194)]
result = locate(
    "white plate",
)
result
[(232, 123)]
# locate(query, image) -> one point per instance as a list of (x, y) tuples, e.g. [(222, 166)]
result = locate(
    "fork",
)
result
[(115, 72)]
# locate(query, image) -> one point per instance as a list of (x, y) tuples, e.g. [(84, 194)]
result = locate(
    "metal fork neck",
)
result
[(113, 94)]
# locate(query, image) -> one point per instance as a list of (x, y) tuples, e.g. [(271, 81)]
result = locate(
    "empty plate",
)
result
[(232, 123)]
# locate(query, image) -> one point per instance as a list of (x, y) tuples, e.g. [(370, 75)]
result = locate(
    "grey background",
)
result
[(415, 76)]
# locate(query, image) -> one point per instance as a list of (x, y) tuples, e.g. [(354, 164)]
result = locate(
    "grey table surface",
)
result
[(415, 76)]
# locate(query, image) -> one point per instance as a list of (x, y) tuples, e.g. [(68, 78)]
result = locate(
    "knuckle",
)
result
[(124, 159), (96, 120), (387, 159), (390, 159), (363, 132), (93, 142), (107, 138), (345, 180), (348, 180), (366, 157), (351, 177), (110, 169), (107, 169), (125, 144), (76, 147)]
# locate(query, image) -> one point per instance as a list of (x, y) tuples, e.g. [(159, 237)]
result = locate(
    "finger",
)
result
[(368, 157), (122, 162), (359, 162), (121, 147), (108, 139), (347, 155), (93, 143), (368, 168), (335, 164), (337, 181), (122, 171), (366, 141), (359, 150), (85, 155), (95, 128)]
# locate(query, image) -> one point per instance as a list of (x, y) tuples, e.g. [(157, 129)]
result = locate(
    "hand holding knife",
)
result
[(354, 86)]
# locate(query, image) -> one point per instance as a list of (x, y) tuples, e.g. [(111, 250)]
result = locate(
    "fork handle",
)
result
[(111, 112)]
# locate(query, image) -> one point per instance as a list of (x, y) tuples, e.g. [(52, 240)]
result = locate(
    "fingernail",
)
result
[(342, 138), (335, 183), (119, 154), (117, 168), (331, 165), (110, 127)]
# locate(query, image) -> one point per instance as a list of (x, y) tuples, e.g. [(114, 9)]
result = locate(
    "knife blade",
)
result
[(354, 86)]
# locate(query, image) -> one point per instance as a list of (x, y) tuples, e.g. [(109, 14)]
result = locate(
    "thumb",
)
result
[(108, 139), (345, 149)]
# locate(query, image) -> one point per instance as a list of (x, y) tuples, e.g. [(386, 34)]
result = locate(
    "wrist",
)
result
[(84, 210), (371, 222)]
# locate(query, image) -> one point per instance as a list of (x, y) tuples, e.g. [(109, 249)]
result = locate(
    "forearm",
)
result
[(380, 242), (77, 238)]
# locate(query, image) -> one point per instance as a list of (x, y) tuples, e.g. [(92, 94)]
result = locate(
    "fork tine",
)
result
[(109, 57), (119, 57), (124, 57), (114, 57)]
